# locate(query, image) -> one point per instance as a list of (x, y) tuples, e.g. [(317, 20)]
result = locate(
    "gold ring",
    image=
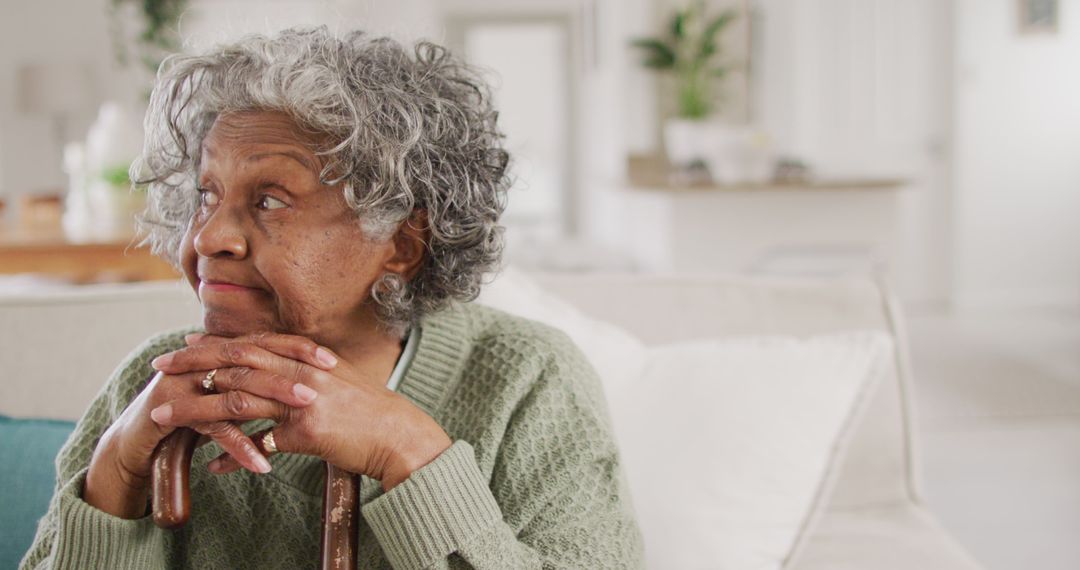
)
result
[(208, 382), (268, 443)]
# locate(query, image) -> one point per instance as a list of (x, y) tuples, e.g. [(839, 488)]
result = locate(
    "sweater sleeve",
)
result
[(72, 533), (556, 497)]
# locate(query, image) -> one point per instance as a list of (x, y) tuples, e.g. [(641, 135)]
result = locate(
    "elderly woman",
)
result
[(334, 203)]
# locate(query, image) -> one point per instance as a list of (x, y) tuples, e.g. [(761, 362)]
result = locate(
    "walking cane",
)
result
[(172, 498)]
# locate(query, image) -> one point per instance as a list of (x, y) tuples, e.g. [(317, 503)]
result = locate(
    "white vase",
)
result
[(115, 138), (95, 209), (686, 141)]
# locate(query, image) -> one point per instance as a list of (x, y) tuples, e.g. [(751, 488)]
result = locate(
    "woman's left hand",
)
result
[(359, 427)]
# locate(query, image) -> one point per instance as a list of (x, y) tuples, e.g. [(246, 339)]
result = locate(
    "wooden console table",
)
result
[(43, 248)]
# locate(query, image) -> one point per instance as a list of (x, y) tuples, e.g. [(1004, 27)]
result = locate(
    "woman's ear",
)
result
[(410, 246)]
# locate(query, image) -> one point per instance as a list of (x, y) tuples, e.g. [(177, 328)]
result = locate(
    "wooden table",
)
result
[(43, 248)]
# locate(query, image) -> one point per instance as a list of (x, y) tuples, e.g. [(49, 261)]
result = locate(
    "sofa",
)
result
[(59, 346)]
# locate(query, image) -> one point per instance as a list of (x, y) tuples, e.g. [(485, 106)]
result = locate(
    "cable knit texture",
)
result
[(532, 480)]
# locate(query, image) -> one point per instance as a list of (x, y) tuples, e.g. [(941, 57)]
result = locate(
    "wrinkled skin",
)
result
[(284, 273), (266, 222)]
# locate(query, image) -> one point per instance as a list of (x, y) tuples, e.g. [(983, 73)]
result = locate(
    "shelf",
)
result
[(652, 174)]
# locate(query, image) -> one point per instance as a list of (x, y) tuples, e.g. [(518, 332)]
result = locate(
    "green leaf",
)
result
[(678, 26), (658, 64), (117, 176), (658, 55), (718, 24), (708, 49), (709, 45), (158, 19)]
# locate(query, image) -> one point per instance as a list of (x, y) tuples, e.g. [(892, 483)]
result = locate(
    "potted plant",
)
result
[(690, 51), (101, 202), (158, 36)]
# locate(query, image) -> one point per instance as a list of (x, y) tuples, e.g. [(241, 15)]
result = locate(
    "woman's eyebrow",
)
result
[(291, 154)]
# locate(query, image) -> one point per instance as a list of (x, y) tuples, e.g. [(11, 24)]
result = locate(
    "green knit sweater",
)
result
[(532, 479)]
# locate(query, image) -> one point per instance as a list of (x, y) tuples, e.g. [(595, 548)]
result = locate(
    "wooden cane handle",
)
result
[(341, 506), (169, 478), (172, 498)]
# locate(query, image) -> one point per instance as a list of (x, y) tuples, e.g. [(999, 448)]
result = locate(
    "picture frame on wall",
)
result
[(1038, 16)]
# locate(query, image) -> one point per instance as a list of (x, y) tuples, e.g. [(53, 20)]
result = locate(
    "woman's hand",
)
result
[(118, 480), (357, 426)]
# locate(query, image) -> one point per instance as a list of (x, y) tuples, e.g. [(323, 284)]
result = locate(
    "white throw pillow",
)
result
[(616, 355), (727, 442)]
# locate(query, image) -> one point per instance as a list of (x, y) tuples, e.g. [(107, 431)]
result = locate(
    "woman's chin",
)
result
[(234, 325)]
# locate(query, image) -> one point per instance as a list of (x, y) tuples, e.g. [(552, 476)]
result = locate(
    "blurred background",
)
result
[(934, 143)]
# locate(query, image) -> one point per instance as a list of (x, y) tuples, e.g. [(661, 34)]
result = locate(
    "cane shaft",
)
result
[(171, 499), (341, 506)]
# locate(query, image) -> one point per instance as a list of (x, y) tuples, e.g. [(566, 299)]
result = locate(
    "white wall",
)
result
[(1017, 158), (858, 88), (214, 21), (863, 88), (50, 32), (76, 33)]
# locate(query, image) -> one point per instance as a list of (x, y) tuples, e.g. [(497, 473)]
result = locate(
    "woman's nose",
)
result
[(222, 235)]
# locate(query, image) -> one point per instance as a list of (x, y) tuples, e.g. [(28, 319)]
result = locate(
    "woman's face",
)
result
[(270, 248)]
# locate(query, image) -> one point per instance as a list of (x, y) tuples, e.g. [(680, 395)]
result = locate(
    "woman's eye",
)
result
[(270, 203), (208, 198)]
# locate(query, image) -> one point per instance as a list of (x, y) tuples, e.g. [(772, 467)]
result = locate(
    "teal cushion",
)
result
[(27, 475)]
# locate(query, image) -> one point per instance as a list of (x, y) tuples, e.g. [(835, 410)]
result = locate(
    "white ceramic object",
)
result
[(686, 141), (94, 208), (739, 154), (114, 140)]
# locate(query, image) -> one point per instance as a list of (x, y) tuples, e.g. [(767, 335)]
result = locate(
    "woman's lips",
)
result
[(224, 287)]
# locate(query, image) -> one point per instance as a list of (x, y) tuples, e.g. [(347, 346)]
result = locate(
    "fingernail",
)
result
[(193, 337), (162, 414), (214, 466), (304, 393), (325, 358), (261, 464), (161, 361)]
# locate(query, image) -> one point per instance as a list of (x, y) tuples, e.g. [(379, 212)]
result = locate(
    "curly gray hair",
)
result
[(409, 132)]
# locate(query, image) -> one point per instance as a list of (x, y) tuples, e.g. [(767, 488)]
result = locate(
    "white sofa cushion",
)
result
[(728, 443), (887, 537)]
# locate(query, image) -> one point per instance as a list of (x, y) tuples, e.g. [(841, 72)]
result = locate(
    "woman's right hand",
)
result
[(118, 480)]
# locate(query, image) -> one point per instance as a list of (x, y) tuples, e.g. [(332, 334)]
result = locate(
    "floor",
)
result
[(998, 403)]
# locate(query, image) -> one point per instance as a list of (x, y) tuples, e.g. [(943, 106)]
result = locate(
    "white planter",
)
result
[(115, 138), (686, 141)]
